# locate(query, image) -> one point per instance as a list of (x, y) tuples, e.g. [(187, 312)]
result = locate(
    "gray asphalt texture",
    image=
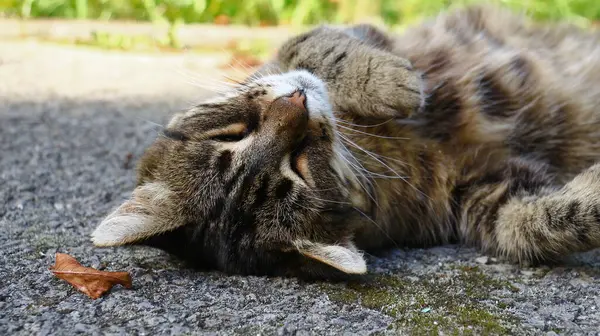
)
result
[(70, 118)]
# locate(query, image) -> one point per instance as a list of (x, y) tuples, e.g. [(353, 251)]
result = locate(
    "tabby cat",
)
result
[(479, 127)]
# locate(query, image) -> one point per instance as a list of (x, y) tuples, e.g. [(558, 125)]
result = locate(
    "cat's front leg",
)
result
[(360, 75), (525, 217)]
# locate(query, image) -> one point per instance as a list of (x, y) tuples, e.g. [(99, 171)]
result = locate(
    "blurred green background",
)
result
[(280, 12), (175, 14)]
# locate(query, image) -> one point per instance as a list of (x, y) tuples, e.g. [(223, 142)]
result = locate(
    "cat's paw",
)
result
[(393, 88), (587, 182)]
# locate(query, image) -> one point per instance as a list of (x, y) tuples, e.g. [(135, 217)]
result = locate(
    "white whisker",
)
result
[(404, 163), (215, 86), (151, 122), (329, 201), (373, 135), (359, 168), (362, 126), (378, 226), (372, 155), (314, 210)]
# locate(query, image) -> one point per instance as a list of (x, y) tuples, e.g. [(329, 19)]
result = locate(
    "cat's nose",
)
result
[(298, 98), (287, 117)]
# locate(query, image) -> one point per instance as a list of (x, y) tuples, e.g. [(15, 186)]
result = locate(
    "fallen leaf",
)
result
[(92, 282)]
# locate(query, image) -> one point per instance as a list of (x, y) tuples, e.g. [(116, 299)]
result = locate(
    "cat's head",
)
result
[(252, 182)]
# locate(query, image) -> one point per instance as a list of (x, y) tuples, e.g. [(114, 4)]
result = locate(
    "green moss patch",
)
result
[(458, 301)]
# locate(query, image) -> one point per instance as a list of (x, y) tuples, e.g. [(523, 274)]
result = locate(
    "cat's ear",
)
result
[(345, 257), (145, 214)]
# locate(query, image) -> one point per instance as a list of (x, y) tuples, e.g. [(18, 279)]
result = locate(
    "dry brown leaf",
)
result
[(90, 281)]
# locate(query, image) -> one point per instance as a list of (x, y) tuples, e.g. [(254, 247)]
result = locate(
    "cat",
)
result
[(478, 126)]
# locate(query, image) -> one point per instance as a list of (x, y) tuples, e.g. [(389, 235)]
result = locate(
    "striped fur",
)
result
[(478, 126)]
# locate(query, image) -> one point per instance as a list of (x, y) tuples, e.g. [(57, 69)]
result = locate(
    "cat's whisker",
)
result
[(211, 88), (404, 163), (232, 80), (212, 85), (248, 72), (385, 158), (242, 65), (359, 170), (211, 80), (314, 210), (405, 179), (328, 201), (151, 122), (372, 135), (380, 156), (378, 226), (253, 76), (242, 73), (326, 189), (381, 176), (369, 153), (190, 74), (342, 121)]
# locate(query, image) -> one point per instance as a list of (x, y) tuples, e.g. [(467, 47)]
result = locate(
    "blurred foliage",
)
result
[(277, 12)]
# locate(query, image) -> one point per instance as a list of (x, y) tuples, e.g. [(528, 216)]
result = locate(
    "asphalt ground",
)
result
[(74, 121)]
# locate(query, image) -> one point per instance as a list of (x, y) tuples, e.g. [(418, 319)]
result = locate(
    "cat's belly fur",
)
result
[(496, 89)]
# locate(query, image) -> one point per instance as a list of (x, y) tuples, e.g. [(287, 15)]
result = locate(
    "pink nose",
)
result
[(288, 117), (298, 98)]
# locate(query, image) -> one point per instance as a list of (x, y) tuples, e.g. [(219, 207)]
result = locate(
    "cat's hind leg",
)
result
[(521, 214)]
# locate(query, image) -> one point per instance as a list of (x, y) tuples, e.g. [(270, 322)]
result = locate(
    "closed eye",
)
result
[(231, 133), (229, 137)]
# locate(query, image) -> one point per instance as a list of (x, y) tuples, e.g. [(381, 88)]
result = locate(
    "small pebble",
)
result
[(482, 260), (527, 272)]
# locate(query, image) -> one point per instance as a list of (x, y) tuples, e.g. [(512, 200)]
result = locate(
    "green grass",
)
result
[(459, 301), (277, 12), (394, 13)]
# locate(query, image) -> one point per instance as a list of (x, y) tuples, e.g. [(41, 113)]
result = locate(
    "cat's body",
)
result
[(487, 135), (504, 97)]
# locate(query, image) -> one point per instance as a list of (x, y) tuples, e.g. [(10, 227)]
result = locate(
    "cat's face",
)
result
[(252, 182)]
